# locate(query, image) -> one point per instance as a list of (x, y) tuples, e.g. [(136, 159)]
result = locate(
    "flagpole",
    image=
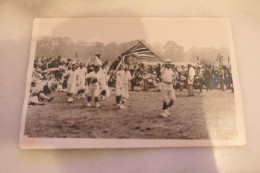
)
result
[(120, 63)]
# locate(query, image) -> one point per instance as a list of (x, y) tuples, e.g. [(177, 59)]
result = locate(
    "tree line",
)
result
[(52, 47)]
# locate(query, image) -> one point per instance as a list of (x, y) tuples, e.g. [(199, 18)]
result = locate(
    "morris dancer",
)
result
[(81, 70), (167, 90), (123, 77), (94, 86), (71, 83), (105, 92)]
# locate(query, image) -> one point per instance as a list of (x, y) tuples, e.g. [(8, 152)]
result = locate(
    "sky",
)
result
[(187, 32)]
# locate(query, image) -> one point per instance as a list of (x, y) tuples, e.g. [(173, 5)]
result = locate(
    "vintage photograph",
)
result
[(109, 82)]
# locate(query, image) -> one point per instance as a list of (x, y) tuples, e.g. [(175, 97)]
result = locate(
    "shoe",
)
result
[(103, 98), (88, 105), (118, 106), (50, 99), (122, 106), (164, 114), (70, 100), (98, 105), (167, 112)]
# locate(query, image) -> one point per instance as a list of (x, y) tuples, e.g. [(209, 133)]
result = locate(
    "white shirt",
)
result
[(72, 76), (81, 72), (192, 71), (103, 76), (93, 75), (167, 75), (123, 77)]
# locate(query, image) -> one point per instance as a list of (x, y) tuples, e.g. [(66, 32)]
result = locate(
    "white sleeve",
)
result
[(162, 69), (66, 73), (88, 75)]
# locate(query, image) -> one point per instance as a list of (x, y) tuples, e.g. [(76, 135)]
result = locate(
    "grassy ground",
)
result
[(207, 115)]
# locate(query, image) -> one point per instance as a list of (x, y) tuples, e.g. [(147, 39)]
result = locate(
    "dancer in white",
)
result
[(123, 77), (81, 71), (71, 83), (103, 83), (94, 86), (167, 90)]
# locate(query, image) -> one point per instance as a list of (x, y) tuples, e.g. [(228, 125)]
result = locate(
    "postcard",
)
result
[(132, 82)]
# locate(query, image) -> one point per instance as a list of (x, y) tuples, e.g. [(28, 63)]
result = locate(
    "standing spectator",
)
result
[(208, 77), (158, 70), (199, 77), (222, 76), (191, 75)]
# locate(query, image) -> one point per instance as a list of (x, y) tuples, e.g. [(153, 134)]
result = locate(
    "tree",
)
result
[(173, 51)]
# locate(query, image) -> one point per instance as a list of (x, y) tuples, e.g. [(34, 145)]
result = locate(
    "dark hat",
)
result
[(98, 55)]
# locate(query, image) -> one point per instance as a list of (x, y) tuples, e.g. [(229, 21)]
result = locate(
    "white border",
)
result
[(66, 143)]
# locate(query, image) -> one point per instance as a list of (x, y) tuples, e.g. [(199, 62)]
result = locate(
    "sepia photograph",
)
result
[(121, 82)]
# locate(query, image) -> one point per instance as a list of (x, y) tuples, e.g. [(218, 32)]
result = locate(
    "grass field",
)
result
[(207, 115)]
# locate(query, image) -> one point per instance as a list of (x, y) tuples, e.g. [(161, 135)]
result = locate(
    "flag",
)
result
[(140, 51)]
